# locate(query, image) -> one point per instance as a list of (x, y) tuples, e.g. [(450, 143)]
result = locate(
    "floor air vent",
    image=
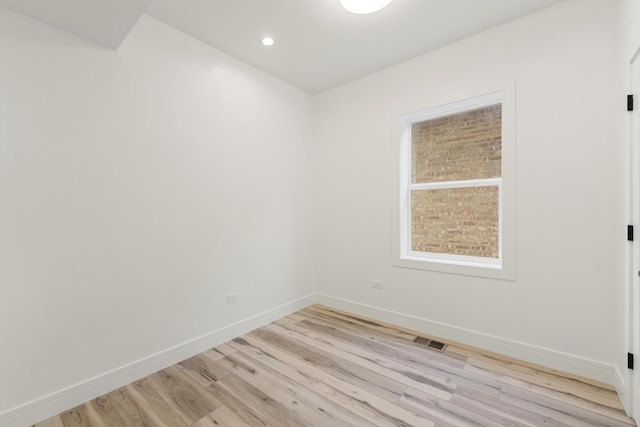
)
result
[(434, 345)]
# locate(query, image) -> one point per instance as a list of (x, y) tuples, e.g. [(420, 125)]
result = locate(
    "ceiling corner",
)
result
[(105, 22)]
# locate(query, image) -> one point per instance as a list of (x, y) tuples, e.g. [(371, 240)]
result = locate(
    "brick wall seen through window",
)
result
[(456, 169)]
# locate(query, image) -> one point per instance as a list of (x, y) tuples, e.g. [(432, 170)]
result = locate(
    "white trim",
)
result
[(471, 103), (461, 260), (569, 363), (632, 306), (463, 100), (488, 182), (407, 187), (48, 406), (635, 56), (622, 388)]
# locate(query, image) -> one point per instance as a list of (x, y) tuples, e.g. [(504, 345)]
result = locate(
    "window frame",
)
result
[(403, 256)]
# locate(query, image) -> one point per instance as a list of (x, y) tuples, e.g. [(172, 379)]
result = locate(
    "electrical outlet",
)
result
[(376, 284), (231, 298)]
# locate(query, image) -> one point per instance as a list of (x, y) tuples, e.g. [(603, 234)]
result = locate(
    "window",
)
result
[(451, 188)]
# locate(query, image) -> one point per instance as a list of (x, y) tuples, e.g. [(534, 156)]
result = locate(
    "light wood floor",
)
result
[(320, 367)]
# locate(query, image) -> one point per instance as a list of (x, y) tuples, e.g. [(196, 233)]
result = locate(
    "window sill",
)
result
[(464, 268)]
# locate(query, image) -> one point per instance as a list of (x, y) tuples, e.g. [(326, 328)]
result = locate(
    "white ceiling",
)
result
[(318, 44), (107, 22)]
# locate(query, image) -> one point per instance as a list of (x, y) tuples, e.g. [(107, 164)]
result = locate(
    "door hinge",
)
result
[(630, 360), (629, 102), (630, 233)]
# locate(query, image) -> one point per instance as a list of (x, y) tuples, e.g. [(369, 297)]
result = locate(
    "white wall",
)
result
[(137, 189), (562, 302)]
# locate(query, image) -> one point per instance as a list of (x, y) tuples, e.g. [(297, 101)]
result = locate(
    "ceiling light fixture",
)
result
[(267, 41), (362, 7)]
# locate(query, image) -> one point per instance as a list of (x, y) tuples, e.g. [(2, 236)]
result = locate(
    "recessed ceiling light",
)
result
[(363, 7), (267, 41)]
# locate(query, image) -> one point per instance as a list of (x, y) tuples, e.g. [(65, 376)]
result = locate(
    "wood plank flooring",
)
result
[(322, 367)]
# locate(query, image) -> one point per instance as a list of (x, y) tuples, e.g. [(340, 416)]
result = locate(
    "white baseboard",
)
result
[(620, 384), (569, 363), (48, 406)]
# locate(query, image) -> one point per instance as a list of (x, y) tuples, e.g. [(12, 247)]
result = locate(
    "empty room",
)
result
[(319, 213)]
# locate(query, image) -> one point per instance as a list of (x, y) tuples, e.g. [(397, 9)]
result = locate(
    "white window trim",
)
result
[(502, 268)]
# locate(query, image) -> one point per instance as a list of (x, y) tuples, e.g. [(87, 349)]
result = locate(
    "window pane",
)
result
[(457, 147), (458, 221)]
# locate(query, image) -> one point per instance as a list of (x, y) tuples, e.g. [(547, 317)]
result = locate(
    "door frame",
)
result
[(632, 253)]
